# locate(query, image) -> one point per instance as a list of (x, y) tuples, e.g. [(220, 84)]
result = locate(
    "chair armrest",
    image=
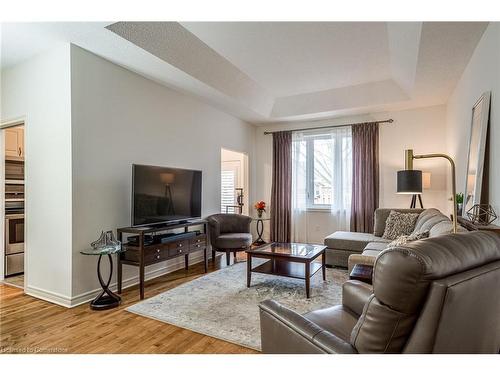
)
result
[(244, 223), (355, 294), (214, 229), (283, 331)]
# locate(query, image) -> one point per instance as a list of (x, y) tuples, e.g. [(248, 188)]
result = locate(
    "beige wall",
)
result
[(422, 129), (481, 74)]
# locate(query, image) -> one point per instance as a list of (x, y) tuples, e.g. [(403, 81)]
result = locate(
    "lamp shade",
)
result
[(409, 182)]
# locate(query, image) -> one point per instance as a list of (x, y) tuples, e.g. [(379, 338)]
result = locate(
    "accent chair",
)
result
[(229, 233)]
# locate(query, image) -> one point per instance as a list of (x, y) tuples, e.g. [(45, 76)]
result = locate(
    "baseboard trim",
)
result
[(126, 283), (48, 296)]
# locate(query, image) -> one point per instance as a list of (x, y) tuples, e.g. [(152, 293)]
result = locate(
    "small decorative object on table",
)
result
[(460, 203), (260, 207), (105, 245), (362, 272), (482, 214)]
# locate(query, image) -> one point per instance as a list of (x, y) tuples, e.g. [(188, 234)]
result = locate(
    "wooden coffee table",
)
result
[(289, 260)]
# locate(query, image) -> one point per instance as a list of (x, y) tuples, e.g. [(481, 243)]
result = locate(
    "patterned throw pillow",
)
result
[(403, 240), (399, 224)]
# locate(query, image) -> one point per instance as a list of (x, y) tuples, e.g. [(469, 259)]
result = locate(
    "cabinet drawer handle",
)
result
[(180, 245), (157, 250), (19, 151), (197, 245), (180, 251), (198, 240), (157, 257)]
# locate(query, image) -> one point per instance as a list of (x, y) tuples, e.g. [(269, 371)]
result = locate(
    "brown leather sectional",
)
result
[(437, 295)]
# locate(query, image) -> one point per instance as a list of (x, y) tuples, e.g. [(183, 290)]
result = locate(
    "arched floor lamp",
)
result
[(410, 180)]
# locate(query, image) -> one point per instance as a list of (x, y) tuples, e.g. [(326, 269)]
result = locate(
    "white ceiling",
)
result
[(275, 71), (289, 58)]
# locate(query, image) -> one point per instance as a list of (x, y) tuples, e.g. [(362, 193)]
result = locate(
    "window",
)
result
[(322, 169)]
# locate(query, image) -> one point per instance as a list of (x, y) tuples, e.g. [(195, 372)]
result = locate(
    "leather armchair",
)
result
[(229, 233), (438, 295)]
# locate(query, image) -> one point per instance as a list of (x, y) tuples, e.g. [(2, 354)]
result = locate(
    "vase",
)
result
[(459, 209), (259, 213)]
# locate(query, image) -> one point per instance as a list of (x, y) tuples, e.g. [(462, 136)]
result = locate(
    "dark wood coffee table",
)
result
[(289, 260)]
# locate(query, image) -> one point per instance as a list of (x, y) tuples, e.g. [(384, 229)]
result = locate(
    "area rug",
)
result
[(220, 305)]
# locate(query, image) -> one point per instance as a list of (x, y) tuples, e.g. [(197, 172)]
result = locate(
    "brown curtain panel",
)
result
[(365, 176), (281, 192)]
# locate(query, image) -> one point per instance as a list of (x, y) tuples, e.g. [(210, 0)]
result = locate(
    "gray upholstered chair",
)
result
[(229, 233)]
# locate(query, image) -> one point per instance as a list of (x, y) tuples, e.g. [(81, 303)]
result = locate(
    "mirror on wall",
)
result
[(477, 147)]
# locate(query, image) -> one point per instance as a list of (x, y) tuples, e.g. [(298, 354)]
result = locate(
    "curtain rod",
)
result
[(390, 121)]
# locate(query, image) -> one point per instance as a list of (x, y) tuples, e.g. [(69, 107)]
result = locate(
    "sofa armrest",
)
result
[(355, 294), (283, 331)]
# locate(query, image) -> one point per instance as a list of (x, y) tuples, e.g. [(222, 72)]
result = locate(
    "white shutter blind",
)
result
[(228, 183)]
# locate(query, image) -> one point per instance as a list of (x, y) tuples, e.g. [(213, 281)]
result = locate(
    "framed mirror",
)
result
[(477, 147)]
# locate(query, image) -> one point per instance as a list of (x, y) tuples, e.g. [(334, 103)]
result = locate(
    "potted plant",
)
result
[(460, 203), (260, 207)]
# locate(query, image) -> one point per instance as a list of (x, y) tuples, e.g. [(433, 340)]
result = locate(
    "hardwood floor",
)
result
[(29, 325)]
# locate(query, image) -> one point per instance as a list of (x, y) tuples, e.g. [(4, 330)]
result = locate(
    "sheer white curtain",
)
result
[(321, 178), (299, 187), (340, 207)]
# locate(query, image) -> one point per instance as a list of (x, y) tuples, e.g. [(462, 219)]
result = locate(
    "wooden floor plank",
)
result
[(30, 325)]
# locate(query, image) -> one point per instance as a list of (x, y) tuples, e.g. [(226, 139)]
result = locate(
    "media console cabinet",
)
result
[(141, 253)]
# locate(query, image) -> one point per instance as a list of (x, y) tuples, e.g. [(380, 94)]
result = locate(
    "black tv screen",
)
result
[(162, 194)]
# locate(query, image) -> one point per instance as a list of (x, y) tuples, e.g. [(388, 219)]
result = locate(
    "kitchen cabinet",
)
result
[(14, 143)]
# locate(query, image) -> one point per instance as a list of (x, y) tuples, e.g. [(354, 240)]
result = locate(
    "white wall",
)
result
[(39, 91), (481, 74), (120, 118), (422, 129)]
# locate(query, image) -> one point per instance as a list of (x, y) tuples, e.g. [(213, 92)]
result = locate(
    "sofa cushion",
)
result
[(399, 224), (353, 241), (233, 240), (376, 246)]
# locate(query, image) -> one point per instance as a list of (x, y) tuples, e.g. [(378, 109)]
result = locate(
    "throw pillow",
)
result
[(399, 224), (403, 240)]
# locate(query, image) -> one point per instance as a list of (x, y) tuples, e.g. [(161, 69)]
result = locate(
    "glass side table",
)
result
[(106, 299), (260, 229)]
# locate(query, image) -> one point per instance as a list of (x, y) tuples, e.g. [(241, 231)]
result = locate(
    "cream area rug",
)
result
[(220, 305)]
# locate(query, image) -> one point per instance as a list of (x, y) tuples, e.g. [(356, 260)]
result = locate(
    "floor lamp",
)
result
[(410, 180)]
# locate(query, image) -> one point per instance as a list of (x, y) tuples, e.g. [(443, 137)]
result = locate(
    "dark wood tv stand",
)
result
[(142, 254)]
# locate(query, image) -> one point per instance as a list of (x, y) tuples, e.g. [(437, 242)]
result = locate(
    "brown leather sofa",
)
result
[(438, 295)]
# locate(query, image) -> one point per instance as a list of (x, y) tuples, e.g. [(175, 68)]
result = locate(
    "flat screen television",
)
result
[(164, 195)]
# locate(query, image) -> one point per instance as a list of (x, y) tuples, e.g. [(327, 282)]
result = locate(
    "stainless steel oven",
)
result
[(14, 244), (14, 227)]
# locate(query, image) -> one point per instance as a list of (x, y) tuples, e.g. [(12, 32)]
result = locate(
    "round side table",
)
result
[(260, 229), (106, 299)]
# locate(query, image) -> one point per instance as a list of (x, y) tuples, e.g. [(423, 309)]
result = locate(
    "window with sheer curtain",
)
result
[(321, 177)]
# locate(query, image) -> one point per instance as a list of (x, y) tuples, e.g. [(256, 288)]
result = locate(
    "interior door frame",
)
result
[(5, 125), (245, 176)]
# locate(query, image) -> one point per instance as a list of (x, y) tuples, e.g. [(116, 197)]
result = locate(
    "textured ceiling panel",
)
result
[(172, 43), (290, 58)]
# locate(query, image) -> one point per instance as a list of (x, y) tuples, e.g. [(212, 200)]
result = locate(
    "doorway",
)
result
[(12, 254), (234, 182)]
